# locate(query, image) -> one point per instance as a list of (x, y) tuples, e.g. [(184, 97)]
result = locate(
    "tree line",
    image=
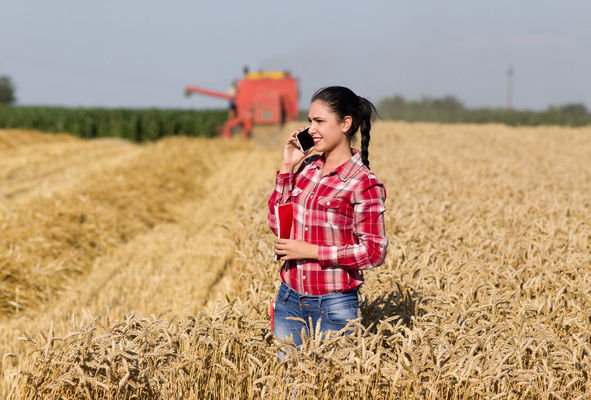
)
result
[(449, 109)]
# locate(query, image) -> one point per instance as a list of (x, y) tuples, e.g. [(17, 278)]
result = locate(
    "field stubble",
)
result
[(485, 292)]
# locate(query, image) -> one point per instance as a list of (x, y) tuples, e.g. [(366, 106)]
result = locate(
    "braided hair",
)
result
[(343, 102)]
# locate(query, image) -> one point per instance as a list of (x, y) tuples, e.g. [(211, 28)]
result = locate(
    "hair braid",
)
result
[(367, 113)]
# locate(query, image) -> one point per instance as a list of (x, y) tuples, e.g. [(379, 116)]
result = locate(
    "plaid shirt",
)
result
[(342, 213)]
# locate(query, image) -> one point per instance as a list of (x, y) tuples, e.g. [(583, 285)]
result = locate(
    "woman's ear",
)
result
[(346, 123)]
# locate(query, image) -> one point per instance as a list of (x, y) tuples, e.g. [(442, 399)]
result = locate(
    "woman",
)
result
[(338, 217)]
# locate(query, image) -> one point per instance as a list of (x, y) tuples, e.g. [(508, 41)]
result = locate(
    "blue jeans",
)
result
[(333, 310)]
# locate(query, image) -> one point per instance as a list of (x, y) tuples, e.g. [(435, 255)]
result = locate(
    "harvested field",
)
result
[(145, 271)]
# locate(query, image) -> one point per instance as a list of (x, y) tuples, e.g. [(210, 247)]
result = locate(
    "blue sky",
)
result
[(143, 53)]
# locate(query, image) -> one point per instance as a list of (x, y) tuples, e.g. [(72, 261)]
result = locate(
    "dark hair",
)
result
[(343, 102)]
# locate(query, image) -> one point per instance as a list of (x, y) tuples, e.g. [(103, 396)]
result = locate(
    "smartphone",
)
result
[(305, 140)]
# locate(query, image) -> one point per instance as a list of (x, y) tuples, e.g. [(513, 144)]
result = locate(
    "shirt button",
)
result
[(305, 292), (304, 277), (306, 228), (328, 203)]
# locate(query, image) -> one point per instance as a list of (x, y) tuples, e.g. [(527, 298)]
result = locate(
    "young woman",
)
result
[(338, 217)]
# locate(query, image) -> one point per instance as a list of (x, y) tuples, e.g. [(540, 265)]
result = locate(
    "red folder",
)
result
[(284, 218), (272, 315)]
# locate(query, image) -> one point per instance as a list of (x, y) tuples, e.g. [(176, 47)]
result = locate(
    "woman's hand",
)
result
[(289, 249), (292, 155)]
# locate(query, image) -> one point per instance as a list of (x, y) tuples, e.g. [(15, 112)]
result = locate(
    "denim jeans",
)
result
[(333, 310)]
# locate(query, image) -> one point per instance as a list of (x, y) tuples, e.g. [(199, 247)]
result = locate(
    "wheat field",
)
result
[(145, 271)]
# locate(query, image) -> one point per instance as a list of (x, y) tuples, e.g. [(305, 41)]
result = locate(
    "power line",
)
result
[(510, 87)]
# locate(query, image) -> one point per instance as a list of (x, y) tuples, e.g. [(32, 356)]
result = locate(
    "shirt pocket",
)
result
[(333, 217), (336, 207), (330, 203)]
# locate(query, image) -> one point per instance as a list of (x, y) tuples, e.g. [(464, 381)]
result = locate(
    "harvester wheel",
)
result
[(236, 130)]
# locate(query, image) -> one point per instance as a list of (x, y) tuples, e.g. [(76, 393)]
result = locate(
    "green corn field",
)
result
[(132, 124)]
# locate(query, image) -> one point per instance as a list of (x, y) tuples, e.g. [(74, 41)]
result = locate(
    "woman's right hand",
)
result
[(292, 155)]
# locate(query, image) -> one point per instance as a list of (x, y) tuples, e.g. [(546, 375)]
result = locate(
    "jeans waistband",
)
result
[(314, 298)]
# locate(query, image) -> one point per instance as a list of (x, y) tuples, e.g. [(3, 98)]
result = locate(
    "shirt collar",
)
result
[(346, 170)]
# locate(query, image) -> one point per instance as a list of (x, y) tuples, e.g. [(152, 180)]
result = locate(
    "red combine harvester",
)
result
[(260, 98)]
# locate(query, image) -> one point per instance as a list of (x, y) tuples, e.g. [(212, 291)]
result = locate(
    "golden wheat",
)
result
[(485, 292)]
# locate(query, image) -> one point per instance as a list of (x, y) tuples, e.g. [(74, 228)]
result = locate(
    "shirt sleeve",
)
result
[(368, 225), (283, 188)]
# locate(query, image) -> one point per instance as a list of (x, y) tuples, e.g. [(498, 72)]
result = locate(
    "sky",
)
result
[(130, 53)]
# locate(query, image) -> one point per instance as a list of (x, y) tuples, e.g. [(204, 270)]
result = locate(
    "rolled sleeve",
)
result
[(283, 186)]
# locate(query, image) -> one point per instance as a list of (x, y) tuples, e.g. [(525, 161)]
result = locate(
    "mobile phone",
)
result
[(305, 140)]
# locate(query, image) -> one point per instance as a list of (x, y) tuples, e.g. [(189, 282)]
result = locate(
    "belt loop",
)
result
[(287, 292)]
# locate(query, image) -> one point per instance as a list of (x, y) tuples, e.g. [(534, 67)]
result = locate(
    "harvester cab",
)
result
[(260, 98)]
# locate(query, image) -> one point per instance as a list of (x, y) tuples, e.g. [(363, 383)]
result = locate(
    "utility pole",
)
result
[(510, 87)]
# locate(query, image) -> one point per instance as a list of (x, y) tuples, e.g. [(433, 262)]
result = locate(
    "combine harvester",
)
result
[(261, 99)]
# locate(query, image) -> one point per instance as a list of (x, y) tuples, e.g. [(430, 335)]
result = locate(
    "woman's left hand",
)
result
[(289, 249)]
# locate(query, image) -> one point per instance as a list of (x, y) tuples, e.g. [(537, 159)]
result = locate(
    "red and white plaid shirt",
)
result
[(342, 213)]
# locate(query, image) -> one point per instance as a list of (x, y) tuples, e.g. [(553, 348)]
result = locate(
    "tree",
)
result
[(6, 90), (573, 109)]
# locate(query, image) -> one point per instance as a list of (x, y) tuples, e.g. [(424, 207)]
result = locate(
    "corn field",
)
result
[(145, 271), (132, 124)]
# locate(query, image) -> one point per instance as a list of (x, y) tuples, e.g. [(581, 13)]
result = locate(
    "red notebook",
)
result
[(284, 218), (272, 315)]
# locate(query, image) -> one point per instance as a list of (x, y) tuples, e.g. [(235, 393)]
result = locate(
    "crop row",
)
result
[(133, 124)]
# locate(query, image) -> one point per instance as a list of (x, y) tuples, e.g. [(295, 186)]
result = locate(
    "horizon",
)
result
[(223, 107)]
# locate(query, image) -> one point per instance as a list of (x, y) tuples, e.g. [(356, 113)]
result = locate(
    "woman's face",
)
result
[(326, 129)]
